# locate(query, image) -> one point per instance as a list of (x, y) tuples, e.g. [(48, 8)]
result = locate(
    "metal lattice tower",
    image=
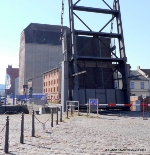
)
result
[(117, 63)]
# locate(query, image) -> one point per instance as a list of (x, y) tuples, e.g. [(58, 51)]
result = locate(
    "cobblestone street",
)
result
[(110, 134)]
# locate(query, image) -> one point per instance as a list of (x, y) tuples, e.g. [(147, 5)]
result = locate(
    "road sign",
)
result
[(93, 101), (93, 105)]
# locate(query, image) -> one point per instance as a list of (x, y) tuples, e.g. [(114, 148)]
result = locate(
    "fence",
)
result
[(6, 125), (71, 106)]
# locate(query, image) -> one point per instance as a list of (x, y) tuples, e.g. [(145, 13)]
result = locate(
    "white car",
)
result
[(2, 99)]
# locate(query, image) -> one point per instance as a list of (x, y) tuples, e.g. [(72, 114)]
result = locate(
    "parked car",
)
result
[(2, 99)]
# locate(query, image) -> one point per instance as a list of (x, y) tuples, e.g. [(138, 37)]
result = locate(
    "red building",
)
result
[(11, 75), (51, 85)]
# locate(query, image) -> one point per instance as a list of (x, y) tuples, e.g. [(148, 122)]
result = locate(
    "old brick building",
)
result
[(13, 73), (51, 84)]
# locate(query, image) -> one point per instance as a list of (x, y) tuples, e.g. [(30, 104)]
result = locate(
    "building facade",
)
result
[(11, 75), (40, 51), (51, 84), (139, 83), (146, 74)]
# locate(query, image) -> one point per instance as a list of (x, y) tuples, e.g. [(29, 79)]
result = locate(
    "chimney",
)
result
[(138, 67)]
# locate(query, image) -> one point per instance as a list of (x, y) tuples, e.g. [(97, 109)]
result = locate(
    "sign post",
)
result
[(93, 102), (144, 96)]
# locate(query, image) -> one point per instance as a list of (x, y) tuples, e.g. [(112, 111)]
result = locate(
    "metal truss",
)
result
[(77, 60)]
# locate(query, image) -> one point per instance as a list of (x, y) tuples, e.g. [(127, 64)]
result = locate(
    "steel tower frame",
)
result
[(121, 61)]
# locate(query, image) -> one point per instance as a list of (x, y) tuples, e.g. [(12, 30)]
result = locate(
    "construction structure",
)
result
[(91, 64)]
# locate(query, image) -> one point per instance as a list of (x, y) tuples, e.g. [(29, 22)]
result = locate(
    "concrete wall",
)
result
[(38, 59), (16, 86)]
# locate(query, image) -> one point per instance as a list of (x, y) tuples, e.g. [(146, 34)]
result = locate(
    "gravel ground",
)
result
[(124, 133)]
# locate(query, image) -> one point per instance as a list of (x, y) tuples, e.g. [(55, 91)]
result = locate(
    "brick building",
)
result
[(51, 84), (13, 73)]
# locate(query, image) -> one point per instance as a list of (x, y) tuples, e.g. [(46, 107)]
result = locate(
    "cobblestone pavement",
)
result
[(109, 134)]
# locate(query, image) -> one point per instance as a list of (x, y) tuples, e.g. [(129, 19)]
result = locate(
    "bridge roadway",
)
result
[(111, 133)]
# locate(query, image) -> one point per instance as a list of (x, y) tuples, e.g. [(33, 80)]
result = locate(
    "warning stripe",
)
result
[(123, 105)]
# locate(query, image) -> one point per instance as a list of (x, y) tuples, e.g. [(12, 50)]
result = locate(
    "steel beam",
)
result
[(73, 49), (96, 10), (102, 34), (97, 64), (100, 58)]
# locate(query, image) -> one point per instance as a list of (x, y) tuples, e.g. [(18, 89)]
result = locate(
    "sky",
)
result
[(16, 15)]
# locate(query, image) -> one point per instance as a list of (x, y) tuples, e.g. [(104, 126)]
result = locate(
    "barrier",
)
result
[(6, 147), (6, 126), (70, 106), (33, 125), (22, 129), (123, 105)]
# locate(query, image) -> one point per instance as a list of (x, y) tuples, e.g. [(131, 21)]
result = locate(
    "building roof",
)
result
[(45, 27), (51, 70), (135, 75), (147, 72), (43, 33)]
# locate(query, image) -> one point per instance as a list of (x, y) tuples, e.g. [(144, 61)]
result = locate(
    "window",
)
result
[(132, 85), (54, 89), (142, 85), (115, 84)]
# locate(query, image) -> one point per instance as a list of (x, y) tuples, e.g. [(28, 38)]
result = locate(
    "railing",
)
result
[(6, 126)]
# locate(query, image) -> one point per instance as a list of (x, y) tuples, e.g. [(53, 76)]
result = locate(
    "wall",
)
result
[(138, 91), (51, 84), (16, 85), (40, 51), (38, 59)]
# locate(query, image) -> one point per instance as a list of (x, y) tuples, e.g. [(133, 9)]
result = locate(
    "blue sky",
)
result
[(15, 15)]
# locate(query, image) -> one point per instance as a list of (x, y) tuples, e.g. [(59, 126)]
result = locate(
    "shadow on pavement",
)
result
[(124, 113)]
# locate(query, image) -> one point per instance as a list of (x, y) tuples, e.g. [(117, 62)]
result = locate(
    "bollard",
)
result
[(61, 114), (22, 129), (71, 109), (67, 111), (33, 125), (6, 135), (57, 116), (51, 117)]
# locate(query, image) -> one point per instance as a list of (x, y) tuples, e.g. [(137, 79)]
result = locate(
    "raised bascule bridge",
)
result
[(95, 65)]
